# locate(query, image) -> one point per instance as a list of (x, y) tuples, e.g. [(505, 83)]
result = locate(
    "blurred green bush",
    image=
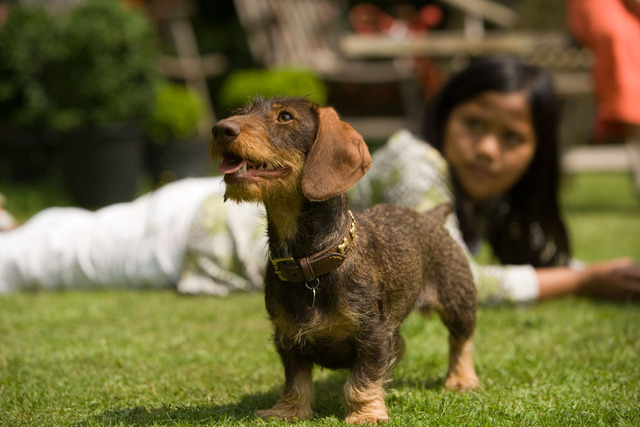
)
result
[(109, 73), (91, 67), (175, 114), (32, 45), (243, 85)]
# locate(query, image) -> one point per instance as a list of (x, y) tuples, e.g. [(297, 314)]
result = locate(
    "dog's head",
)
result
[(285, 146)]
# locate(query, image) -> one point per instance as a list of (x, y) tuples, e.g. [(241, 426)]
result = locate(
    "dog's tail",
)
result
[(440, 212)]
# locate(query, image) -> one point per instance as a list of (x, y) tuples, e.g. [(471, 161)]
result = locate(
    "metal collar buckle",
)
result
[(276, 265)]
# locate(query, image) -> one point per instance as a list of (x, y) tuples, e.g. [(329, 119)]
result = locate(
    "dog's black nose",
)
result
[(225, 131)]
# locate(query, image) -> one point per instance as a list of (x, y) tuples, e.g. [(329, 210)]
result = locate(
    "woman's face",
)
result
[(489, 142)]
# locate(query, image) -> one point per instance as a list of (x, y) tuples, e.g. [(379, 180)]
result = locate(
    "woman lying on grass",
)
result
[(494, 154), (493, 130)]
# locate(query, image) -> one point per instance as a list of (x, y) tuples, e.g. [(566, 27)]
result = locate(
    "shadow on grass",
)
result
[(418, 382), (329, 403), (243, 411)]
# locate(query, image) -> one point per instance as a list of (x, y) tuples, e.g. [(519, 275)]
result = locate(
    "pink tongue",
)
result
[(230, 166)]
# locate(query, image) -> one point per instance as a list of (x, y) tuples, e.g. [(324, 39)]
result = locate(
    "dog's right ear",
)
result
[(339, 157)]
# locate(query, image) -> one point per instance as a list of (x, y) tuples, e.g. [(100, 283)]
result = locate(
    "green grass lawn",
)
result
[(159, 358)]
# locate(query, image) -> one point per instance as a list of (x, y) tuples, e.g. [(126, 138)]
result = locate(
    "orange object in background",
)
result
[(612, 32)]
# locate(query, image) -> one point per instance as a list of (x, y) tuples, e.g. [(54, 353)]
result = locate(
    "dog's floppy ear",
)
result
[(339, 157)]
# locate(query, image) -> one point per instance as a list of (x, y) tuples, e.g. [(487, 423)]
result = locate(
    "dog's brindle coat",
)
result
[(299, 159)]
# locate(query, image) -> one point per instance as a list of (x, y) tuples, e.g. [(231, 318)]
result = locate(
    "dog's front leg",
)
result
[(297, 397), (364, 389)]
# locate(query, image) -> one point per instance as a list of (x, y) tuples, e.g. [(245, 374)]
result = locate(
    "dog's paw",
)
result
[(462, 382), (369, 415), (286, 413), (358, 418)]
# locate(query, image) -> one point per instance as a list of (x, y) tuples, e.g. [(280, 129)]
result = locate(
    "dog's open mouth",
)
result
[(234, 167)]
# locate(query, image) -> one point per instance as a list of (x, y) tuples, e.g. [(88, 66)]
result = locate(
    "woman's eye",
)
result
[(285, 116), (474, 125), (513, 139)]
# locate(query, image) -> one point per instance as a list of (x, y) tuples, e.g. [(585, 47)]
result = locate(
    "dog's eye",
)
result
[(284, 117)]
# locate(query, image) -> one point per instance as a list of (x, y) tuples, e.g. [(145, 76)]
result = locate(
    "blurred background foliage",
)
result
[(175, 114), (65, 79), (93, 66), (243, 85), (218, 29)]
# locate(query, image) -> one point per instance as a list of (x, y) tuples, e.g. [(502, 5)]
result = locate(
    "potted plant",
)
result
[(103, 90), (31, 44), (175, 149)]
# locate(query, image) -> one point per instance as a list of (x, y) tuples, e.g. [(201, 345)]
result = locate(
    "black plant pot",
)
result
[(178, 159), (25, 154), (101, 166)]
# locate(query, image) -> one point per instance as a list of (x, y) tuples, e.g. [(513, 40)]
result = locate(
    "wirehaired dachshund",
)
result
[(339, 285)]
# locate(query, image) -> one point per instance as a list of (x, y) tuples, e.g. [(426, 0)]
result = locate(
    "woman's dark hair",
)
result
[(526, 227)]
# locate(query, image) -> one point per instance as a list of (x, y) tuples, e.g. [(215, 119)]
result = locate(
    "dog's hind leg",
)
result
[(399, 346), (458, 315), (456, 305), (462, 374)]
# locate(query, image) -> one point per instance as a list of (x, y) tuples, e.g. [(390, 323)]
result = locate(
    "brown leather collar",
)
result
[(309, 268)]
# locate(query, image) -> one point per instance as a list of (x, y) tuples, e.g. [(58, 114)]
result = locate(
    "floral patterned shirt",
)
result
[(410, 172)]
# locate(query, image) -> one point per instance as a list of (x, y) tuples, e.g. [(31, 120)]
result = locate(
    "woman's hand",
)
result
[(613, 280), (617, 279)]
